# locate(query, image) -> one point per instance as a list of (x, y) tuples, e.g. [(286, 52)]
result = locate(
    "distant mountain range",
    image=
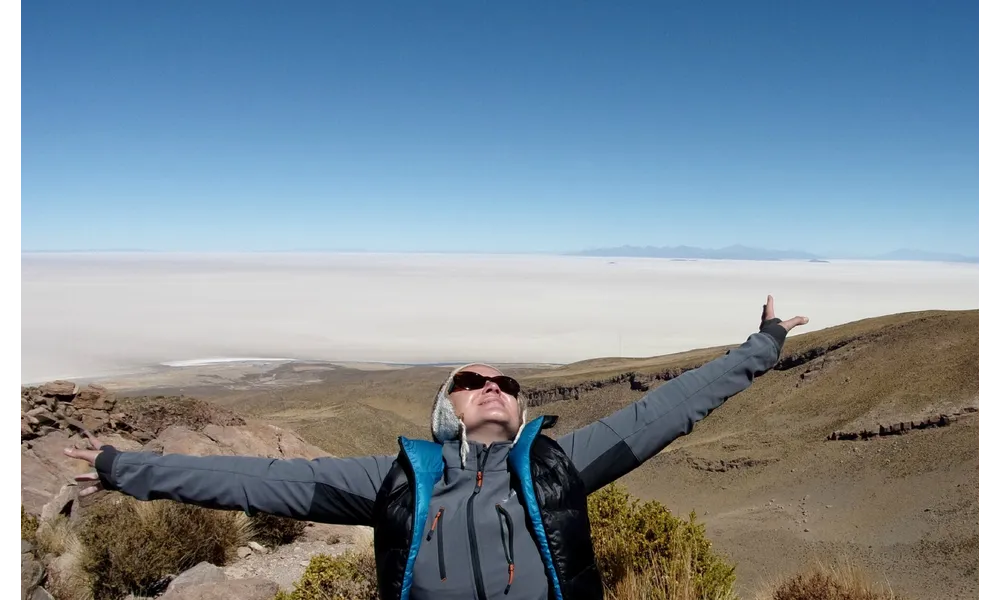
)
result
[(739, 252), (736, 252)]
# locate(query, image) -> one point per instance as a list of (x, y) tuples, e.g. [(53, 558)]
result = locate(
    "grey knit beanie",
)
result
[(447, 426)]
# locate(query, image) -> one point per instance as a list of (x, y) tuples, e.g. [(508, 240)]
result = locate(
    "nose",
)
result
[(491, 386)]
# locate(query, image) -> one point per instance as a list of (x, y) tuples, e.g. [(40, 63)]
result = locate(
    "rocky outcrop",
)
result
[(57, 415), (32, 571), (643, 382), (797, 359), (63, 406), (723, 465), (900, 428)]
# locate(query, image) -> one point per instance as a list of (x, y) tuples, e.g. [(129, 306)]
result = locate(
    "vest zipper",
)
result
[(477, 569), (508, 543), (439, 524)]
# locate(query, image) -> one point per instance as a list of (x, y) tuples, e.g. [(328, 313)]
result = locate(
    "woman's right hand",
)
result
[(89, 482)]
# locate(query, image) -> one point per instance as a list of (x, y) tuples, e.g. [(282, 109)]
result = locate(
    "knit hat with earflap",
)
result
[(447, 426)]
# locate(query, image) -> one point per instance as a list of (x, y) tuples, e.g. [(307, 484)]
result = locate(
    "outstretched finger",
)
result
[(94, 442), (88, 455), (90, 490), (794, 322), (87, 477), (768, 312)]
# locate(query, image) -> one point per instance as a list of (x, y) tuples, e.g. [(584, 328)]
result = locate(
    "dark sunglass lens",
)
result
[(467, 380), (508, 385)]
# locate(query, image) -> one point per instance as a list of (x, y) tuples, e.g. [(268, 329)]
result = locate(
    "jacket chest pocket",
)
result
[(507, 541), (437, 526)]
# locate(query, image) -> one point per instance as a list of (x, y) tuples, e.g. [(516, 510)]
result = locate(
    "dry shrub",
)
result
[(57, 542), (271, 530), (350, 576), (841, 582), (644, 552), (29, 525), (131, 546), (121, 545), (55, 536)]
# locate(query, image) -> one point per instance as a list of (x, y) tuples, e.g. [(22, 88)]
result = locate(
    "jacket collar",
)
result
[(493, 460)]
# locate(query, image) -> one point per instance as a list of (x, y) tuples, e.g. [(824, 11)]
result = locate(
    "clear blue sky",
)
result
[(834, 127)]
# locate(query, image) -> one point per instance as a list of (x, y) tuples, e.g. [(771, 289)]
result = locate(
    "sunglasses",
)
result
[(467, 380)]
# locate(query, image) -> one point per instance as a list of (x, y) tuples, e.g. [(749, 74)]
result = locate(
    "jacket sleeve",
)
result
[(325, 490), (613, 446)]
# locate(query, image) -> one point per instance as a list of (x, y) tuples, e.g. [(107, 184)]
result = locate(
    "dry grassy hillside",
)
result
[(774, 492)]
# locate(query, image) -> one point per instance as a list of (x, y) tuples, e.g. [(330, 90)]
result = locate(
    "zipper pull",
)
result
[(510, 577), (434, 523), (480, 465)]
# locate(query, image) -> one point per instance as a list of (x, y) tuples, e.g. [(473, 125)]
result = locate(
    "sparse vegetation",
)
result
[(131, 546), (645, 552), (29, 525), (830, 583), (55, 535), (350, 576), (122, 545)]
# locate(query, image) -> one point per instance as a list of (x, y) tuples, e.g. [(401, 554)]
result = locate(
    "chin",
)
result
[(499, 419)]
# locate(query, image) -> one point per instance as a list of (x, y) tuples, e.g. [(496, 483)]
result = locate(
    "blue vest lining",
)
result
[(428, 467), (520, 459)]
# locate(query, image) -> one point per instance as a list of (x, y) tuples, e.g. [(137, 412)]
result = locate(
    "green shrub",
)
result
[(350, 576), (643, 551)]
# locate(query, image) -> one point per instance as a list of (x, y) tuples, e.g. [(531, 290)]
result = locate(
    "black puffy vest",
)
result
[(556, 503)]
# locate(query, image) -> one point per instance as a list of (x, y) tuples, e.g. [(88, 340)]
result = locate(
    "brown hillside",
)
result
[(775, 493), (880, 370)]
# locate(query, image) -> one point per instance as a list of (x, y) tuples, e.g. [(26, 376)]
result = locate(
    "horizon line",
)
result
[(954, 257)]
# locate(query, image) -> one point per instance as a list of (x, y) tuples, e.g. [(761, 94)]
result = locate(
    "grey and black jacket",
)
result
[(510, 523)]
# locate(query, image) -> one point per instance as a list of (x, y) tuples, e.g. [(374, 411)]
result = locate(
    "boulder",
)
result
[(233, 589), (203, 572), (32, 571), (58, 389), (94, 397), (41, 593)]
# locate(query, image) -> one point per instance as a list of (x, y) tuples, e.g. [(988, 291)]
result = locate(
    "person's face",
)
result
[(486, 405)]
